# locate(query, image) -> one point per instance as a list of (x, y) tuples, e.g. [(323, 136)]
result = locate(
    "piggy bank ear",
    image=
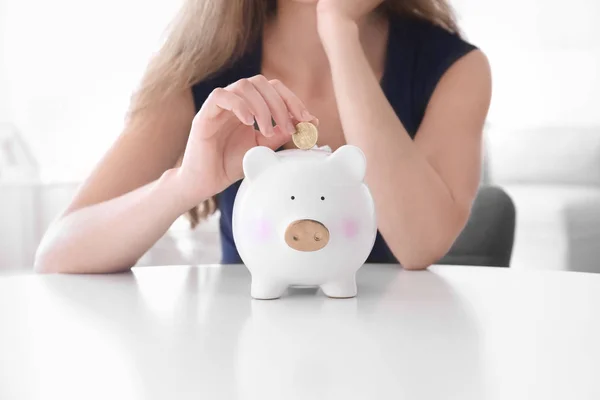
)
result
[(350, 159), (257, 160)]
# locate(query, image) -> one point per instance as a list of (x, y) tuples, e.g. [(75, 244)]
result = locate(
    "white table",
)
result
[(194, 333)]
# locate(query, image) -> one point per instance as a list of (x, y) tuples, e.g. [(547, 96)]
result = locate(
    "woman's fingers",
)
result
[(258, 100), (295, 106), (274, 142), (276, 105), (221, 99), (246, 90)]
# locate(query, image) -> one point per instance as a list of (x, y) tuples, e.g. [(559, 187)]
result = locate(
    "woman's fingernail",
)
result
[(306, 115)]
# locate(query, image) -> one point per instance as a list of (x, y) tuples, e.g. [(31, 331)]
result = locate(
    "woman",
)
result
[(392, 77)]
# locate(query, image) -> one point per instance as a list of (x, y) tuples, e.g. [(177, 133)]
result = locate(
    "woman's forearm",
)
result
[(417, 214), (111, 236)]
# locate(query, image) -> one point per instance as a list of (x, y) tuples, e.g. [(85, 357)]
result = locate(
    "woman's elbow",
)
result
[(434, 246), (47, 263), (63, 252), (49, 259), (416, 266), (418, 263), (418, 258), (51, 256)]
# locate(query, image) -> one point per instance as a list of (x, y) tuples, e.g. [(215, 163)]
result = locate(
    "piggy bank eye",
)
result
[(322, 197), (293, 197)]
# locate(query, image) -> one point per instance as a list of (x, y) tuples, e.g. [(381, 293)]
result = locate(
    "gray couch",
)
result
[(553, 176)]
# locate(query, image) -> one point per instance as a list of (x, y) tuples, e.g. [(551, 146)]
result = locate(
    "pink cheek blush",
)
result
[(262, 230), (349, 228)]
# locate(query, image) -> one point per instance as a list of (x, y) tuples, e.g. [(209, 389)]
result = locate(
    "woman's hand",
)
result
[(223, 131), (339, 19), (350, 10)]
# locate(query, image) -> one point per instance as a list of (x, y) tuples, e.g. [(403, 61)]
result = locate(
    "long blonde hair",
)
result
[(207, 35)]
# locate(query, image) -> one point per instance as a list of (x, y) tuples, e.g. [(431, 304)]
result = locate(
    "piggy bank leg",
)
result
[(266, 289), (343, 288)]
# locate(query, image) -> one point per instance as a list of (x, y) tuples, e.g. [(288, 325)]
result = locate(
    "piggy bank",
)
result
[(304, 218)]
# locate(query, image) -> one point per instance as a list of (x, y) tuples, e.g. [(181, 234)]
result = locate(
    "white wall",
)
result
[(4, 103), (71, 66), (545, 57)]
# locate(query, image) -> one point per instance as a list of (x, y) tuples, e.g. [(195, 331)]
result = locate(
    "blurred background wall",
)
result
[(67, 69)]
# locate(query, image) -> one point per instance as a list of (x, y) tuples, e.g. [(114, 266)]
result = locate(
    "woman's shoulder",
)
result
[(421, 52), (427, 40)]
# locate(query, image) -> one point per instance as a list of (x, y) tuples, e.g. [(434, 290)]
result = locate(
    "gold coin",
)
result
[(306, 136)]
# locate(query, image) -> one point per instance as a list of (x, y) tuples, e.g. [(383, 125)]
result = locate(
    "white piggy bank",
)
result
[(304, 217)]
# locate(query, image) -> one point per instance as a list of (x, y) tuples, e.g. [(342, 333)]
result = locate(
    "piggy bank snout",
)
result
[(306, 235)]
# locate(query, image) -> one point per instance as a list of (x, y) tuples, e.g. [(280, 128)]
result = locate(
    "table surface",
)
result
[(183, 332)]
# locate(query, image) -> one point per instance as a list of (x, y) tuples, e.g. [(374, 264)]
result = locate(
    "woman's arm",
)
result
[(135, 194), (423, 189), (112, 235), (128, 202)]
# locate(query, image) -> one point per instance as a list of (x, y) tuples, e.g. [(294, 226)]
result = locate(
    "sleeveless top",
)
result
[(418, 54)]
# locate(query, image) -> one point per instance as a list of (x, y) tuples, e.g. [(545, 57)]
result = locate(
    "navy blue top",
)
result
[(418, 54)]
